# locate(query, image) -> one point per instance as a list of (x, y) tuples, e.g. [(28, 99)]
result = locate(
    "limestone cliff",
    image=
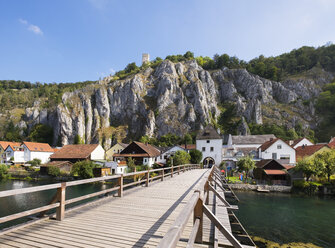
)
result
[(175, 98)]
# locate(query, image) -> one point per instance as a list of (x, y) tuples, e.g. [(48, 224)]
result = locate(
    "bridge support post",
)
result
[(60, 211), (172, 171), (178, 170), (163, 174), (207, 190), (147, 178), (120, 182), (199, 214)]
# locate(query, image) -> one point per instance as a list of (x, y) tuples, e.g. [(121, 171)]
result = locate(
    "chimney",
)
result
[(290, 142)]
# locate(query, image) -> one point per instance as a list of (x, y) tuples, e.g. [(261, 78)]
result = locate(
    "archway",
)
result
[(208, 162)]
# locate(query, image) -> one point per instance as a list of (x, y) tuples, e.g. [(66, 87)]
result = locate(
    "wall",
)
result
[(305, 142), (216, 154), (272, 188), (117, 148), (98, 153), (43, 156), (285, 150)]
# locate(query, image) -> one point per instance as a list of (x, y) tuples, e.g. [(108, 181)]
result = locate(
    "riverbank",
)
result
[(263, 243), (252, 187)]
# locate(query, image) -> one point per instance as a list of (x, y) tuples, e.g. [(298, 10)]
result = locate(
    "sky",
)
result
[(78, 40)]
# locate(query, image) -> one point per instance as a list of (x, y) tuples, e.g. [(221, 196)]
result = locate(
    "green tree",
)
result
[(181, 157), (131, 164), (325, 161), (41, 133), (196, 156), (83, 169), (307, 167), (245, 164), (188, 139), (34, 162), (3, 171), (54, 171)]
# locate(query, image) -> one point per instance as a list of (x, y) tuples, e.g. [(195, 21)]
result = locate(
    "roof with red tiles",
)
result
[(38, 147), (80, 151), (306, 151)]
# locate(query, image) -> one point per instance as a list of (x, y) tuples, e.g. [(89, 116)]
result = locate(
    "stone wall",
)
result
[(272, 188)]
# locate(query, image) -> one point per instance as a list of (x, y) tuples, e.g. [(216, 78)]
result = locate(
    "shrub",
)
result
[(3, 171), (54, 171), (196, 156), (34, 162), (84, 169)]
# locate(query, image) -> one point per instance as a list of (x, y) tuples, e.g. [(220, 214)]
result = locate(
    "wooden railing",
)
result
[(197, 206), (59, 201)]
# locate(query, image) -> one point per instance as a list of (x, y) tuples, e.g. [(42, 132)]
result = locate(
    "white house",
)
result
[(142, 154), (209, 142), (15, 154), (3, 146), (277, 149), (300, 142), (166, 152), (33, 150), (117, 168)]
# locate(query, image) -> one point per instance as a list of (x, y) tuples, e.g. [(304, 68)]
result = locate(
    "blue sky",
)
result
[(77, 40)]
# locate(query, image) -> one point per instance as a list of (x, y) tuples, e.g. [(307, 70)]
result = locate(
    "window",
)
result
[(145, 160), (274, 155), (285, 157), (278, 146), (204, 149), (208, 141), (160, 156), (212, 149)]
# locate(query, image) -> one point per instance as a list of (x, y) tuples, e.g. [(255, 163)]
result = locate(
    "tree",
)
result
[(131, 164), (325, 161), (34, 162), (307, 167), (245, 164), (181, 157), (41, 133), (54, 171), (196, 156), (188, 139), (3, 171), (83, 169)]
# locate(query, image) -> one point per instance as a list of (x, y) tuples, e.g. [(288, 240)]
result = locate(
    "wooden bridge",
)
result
[(181, 206)]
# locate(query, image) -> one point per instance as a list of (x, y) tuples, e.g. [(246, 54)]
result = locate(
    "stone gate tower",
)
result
[(145, 58)]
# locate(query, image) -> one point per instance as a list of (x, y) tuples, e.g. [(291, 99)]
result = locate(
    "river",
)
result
[(285, 218), (282, 218)]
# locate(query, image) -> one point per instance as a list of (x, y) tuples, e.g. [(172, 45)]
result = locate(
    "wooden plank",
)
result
[(28, 212), (193, 235), (29, 189)]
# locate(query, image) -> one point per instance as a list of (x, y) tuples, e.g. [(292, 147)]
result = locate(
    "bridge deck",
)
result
[(139, 219)]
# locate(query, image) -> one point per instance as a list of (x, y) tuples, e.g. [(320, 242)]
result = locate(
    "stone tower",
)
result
[(145, 58)]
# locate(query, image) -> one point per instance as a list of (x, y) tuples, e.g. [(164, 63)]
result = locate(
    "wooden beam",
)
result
[(120, 182), (193, 234), (147, 179), (29, 189), (219, 196), (221, 227), (198, 214), (174, 233), (60, 211)]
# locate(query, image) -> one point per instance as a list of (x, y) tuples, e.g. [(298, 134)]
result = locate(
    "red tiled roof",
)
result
[(275, 172), (81, 151), (189, 146), (305, 151), (267, 144), (38, 147), (331, 143), (152, 151), (58, 163), (5, 144), (288, 167), (131, 155)]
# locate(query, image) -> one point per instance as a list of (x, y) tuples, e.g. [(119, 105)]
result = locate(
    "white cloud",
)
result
[(32, 28)]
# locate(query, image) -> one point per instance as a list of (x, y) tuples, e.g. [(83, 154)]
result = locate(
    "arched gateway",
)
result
[(208, 162)]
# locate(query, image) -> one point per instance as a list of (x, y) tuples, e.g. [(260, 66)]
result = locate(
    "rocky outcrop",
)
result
[(174, 98)]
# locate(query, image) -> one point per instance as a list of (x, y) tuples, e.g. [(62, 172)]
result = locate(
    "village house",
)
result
[(3, 146), (271, 171), (166, 153), (14, 153), (209, 142), (34, 150), (117, 168), (310, 151), (277, 149), (117, 148), (300, 142), (237, 146), (188, 147), (75, 153), (331, 143), (145, 154)]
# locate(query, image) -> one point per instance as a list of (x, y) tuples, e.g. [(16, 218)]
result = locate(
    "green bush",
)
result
[(306, 187), (3, 171), (34, 162), (196, 156), (54, 171), (83, 169)]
